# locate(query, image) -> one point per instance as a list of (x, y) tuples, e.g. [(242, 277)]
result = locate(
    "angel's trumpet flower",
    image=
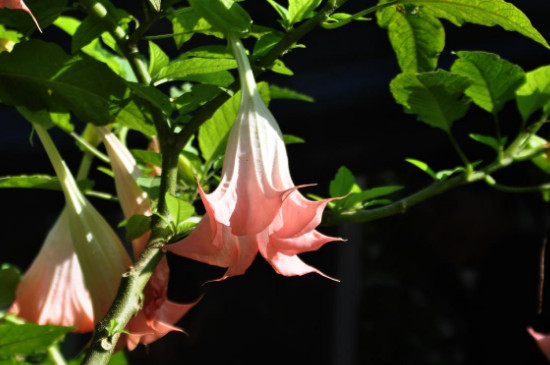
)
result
[(100, 253), (52, 291), (256, 206), (158, 315)]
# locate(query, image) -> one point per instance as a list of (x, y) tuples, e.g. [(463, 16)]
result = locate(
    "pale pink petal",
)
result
[(310, 241), (52, 291), (287, 265), (19, 4), (542, 340), (248, 248)]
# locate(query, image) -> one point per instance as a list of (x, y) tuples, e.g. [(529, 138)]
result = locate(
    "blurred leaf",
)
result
[(416, 37), (541, 160), (9, 278), (137, 226), (534, 94), (24, 339), (422, 166), (290, 139), (39, 182), (487, 140), (221, 78), (151, 185), (48, 119), (155, 4), (265, 43), (299, 10), (444, 174), (88, 30), (153, 95), (225, 15), (283, 13), (197, 96), (482, 12), (343, 183), (494, 80), (210, 51), (279, 67), (284, 93), (157, 59), (150, 157), (437, 98)]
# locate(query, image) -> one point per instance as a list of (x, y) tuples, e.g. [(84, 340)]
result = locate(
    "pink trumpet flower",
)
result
[(256, 206), (52, 291), (542, 340), (19, 4), (100, 253), (158, 314)]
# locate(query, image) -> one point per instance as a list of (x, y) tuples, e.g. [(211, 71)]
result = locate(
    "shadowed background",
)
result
[(453, 281)]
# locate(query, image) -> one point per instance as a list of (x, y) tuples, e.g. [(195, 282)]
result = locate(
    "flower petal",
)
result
[(19, 4), (543, 341), (52, 290)]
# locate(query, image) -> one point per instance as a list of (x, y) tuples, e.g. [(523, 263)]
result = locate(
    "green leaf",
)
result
[(354, 200), (534, 94), (265, 43), (226, 15), (24, 339), (187, 21), (151, 185), (48, 119), (221, 78), (88, 30), (137, 226), (30, 181), (284, 93), (119, 358), (416, 37), (182, 69), (487, 140), (179, 210), (541, 160), (422, 166), (153, 95), (290, 139), (279, 67), (39, 75), (145, 156), (283, 13), (481, 12), (157, 59), (9, 278), (155, 4), (343, 183), (435, 97), (213, 133), (494, 80), (210, 51), (196, 96), (299, 10)]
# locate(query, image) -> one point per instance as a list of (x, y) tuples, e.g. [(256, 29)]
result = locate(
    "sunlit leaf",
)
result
[(299, 10), (437, 98), (88, 30), (494, 80), (416, 37), (225, 15), (157, 59), (534, 94), (23, 339), (285, 93), (422, 166)]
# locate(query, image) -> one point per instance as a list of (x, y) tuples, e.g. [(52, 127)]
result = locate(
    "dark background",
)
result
[(453, 281)]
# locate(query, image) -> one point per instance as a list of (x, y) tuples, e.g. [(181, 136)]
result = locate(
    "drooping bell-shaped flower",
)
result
[(100, 253), (256, 206), (19, 4), (158, 315), (542, 340), (52, 291)]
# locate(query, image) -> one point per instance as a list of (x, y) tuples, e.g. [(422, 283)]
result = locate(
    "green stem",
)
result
[(401, 206), (461, 154), (55, 355), (516, 189), (171, 35), (358, 15)]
